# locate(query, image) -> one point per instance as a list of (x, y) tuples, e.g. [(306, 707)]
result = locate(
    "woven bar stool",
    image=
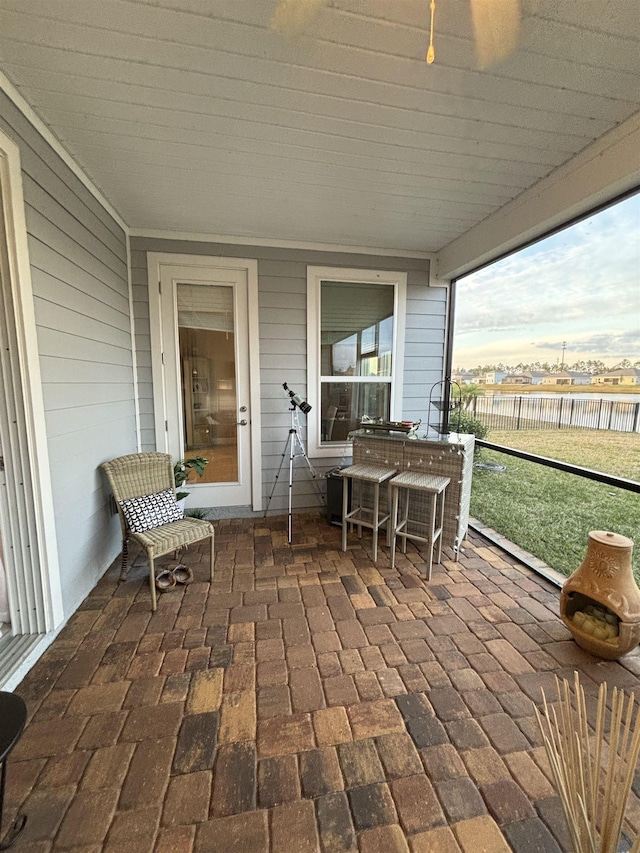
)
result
[(361, 515), (433, 488)]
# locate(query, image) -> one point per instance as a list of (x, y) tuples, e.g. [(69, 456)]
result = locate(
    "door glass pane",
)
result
[(345, 403), (208, 375)]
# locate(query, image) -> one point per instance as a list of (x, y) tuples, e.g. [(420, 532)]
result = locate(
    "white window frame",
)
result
[(315, 277)]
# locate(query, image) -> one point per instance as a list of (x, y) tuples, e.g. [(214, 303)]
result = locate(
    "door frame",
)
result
[(236, 490), (155, 261), (37, 549)]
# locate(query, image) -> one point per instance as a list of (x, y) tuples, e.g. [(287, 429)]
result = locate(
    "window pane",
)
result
[(345, 403), (356, 330), (208, 374)]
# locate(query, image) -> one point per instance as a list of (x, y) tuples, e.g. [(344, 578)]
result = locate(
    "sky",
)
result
[(580, 286)]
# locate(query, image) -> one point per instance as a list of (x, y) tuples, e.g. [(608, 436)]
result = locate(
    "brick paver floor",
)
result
[(307, 701)]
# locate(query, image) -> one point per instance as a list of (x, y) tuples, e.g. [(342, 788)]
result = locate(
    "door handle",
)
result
[(242, 422)]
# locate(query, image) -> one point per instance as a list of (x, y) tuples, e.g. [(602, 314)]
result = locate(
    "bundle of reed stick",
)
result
[(593, 777)]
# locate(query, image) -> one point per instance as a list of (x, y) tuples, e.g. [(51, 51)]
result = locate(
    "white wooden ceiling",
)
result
[(193, 116)]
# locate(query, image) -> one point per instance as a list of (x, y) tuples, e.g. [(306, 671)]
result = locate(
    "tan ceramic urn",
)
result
[(600, 602)]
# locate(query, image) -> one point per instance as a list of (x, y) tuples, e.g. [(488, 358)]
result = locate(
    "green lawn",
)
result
[(550, 513), (615, 453)]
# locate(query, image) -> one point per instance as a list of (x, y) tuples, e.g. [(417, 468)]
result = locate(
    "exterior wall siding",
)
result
[(282, 294), (79, 273)]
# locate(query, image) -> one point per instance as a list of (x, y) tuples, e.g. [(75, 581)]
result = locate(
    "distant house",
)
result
[(465, 378), (538, 377), (579, 378), (493, 377), (517, 379), (624, 376), (567, 377), (560, 378)]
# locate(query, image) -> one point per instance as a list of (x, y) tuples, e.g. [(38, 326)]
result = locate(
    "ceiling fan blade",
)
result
[(291, 16), (496, 26)]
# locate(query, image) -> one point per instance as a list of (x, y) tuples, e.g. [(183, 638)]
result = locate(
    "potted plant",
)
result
[(181, 471)]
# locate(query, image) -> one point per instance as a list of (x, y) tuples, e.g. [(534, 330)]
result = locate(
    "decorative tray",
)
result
[(390, 426)]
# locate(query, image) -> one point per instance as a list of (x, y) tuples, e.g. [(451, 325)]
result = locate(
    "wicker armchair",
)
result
[(141, 474)]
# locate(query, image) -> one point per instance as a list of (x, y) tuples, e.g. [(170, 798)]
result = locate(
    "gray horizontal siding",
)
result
[(53, 342), (424, 347), (66, 318), (282, 283), (105, 289), (111, 416), (140, 306), (43, 206), (79, 274)]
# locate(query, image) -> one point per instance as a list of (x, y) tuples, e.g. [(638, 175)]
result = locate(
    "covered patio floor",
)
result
[(306, 701)]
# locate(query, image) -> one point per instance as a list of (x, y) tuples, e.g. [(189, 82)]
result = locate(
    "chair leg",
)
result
[(125, 560), (405, 520), (394, 525), (432, 525), (152, 581), (345, 509), (439, 500), (440, 522), (388, 491), (376, 513), (213, 557)]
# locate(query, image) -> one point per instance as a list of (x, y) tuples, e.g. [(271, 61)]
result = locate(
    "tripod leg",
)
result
[(292, 436), (312, 470), (303, 453), (275, 482), (293, 441)]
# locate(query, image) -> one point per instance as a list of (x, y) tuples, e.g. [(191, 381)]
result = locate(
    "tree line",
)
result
[(592, 366)]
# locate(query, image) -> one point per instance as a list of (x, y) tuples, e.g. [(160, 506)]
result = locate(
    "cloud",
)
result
[(613, 344), (588, 273)]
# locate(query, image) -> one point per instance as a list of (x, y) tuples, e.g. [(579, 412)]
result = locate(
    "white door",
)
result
[(207, 407)]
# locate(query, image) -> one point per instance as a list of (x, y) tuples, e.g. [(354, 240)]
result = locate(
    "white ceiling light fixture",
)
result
[(496, 25)]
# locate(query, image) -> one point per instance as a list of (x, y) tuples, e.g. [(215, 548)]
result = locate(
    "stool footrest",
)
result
[(415, 537), (364, 516)]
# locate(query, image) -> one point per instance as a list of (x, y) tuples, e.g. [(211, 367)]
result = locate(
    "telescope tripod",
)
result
[(295, 448)]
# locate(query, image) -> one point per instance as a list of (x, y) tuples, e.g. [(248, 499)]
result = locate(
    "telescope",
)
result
[(296, 448), (297, 400)]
